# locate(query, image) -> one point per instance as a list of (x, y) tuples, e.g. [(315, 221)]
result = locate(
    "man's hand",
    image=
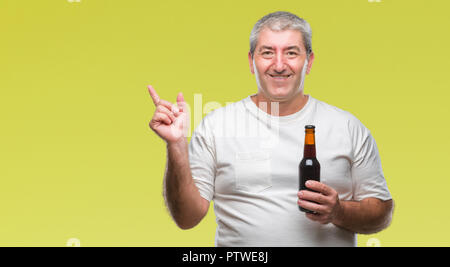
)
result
[(367, 216), (326, 206), (170, 121)]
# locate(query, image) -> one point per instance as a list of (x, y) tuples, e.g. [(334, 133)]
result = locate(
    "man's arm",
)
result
[(368, 216), (181, 194), (171, 122)]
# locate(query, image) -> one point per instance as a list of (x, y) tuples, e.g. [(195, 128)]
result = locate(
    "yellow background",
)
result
[(78, 160)]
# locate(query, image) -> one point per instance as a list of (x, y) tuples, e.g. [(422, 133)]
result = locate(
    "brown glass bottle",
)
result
[(309, 168)]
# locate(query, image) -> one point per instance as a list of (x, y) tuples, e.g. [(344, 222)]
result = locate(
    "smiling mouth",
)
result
[(280, 77)]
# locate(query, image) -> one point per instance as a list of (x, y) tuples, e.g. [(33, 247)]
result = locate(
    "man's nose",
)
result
[(280, 64)]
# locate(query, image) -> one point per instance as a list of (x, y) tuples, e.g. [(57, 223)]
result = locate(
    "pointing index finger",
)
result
[(153, 94)]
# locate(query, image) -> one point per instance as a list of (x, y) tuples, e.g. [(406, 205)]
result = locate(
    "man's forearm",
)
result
[(368, 216), (180, 193)]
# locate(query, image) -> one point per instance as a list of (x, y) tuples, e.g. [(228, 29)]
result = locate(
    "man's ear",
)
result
[(310, 62), (250, 62)]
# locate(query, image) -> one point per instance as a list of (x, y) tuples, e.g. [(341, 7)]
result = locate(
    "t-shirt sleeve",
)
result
[(367, 174), (202, 160)]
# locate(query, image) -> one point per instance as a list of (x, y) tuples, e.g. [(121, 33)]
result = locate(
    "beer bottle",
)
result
[(309, 168)]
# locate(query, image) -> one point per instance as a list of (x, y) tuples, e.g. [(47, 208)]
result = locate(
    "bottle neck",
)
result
[(310, 144)]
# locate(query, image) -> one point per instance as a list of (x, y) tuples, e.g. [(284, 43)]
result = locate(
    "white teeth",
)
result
[(280, 76)]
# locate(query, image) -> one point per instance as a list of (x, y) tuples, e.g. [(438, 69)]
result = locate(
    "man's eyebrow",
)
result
[(265, 47), (293, 47)]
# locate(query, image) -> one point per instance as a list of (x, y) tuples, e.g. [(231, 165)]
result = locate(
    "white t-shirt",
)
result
[(247, 162)]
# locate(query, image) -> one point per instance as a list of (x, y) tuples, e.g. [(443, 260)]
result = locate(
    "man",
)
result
[(245, 156)]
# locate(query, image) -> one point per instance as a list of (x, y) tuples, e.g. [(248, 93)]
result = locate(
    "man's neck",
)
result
[(285, 108)]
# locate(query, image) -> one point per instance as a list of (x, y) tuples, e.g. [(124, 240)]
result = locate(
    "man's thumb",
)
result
[(180, 98), (180, 102)]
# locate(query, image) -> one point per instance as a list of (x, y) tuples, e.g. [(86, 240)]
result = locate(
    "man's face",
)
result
[(278, 63)]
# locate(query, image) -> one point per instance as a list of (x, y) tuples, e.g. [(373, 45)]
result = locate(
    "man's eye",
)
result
[(267, 53), (292, 53)]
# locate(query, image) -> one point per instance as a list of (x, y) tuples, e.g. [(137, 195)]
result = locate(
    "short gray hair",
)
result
[(279, 21)]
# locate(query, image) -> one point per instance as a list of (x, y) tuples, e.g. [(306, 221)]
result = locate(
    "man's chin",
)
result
[(280, 94)]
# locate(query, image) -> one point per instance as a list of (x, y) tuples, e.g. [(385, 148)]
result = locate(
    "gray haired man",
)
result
[(253, 178)]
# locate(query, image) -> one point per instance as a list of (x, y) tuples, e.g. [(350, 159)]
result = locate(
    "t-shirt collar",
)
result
[(297, 116)]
